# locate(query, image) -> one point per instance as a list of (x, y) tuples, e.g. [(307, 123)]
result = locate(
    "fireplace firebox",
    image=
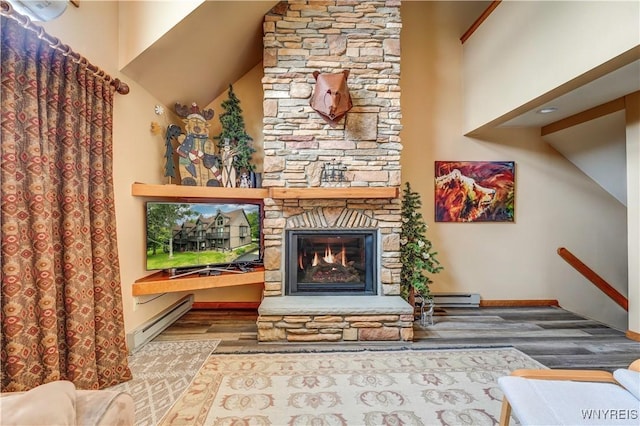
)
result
[(340, 262)]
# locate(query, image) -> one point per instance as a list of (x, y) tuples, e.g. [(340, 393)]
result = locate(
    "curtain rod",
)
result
[(7, 10)]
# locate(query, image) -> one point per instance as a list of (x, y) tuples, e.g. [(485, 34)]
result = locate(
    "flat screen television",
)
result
[(203, 236)]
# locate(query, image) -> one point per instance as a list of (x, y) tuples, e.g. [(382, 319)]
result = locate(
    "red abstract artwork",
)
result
[(474, 191)]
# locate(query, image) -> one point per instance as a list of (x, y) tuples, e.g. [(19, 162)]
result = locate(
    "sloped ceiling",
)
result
[(198, 58), (598, 148), (619, 82)]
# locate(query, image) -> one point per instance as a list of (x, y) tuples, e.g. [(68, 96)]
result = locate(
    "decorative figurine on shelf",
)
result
[(172, 132), (245, 180), (234, 144), (333, 173), (198, 164), (228, 171), (331, 98)]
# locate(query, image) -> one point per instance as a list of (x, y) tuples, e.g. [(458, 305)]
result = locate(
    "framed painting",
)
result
[(474, 191)]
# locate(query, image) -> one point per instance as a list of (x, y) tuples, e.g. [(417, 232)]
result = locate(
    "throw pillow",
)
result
[(49, 404)]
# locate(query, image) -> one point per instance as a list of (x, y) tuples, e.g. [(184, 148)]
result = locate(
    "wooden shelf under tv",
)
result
[(160, 282)]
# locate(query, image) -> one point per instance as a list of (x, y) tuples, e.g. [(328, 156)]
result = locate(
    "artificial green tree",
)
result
[(416, 251), (234, 133)]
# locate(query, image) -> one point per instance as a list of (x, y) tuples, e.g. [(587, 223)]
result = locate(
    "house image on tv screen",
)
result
[(224, 231)]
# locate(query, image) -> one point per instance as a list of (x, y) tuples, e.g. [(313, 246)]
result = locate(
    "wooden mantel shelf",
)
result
[(333, 193), (161, 283), (184, 191), (204, 192)]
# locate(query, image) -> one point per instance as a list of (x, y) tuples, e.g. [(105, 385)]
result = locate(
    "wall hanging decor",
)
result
[(333, 173), (198, 164), (474, 191), (331, 98)]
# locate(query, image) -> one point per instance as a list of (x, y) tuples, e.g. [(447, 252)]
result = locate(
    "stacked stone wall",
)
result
[(301, 37), (331, 36)]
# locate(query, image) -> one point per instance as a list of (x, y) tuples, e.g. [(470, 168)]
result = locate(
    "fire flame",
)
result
[(330, 257)]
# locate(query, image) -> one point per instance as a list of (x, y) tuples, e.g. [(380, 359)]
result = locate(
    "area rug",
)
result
[(403, 387), (161, 372)]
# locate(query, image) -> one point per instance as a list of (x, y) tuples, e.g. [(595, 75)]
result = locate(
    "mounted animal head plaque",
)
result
[(331, 97)]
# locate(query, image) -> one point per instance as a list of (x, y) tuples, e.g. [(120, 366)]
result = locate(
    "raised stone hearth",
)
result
[(330, 37), (335, 318)]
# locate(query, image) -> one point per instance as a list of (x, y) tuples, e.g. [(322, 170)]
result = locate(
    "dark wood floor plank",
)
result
[(553, 336)]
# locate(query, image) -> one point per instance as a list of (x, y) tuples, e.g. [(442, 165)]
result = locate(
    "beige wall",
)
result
[(526, 49), (92, 30), (555, 205), (633, 207)]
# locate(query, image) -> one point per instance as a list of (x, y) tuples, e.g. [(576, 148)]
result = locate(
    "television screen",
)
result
[(183, 236)]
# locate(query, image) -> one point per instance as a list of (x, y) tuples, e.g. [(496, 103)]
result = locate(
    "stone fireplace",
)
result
[(350, 291)]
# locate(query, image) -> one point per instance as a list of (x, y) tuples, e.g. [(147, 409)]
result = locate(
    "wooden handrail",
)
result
[(596, 279), (479, 21)]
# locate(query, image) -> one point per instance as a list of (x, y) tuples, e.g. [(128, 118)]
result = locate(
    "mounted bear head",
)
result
[(331, 97)]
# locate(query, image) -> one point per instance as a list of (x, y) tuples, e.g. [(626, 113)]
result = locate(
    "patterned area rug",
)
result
[(161, 373), (408, 387)]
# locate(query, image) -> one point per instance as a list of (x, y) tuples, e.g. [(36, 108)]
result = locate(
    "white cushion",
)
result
[(558, 402), (629, 379), (49, 404)]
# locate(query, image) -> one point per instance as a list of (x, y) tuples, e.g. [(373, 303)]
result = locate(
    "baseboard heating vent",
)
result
[(150, 329), (456, 300)]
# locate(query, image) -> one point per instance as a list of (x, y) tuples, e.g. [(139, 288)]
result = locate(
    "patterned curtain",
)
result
[(60, 298)]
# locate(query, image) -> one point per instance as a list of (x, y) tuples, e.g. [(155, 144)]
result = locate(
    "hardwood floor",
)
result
[(551, 335)]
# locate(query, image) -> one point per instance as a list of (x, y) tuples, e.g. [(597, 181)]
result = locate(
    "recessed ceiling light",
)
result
[(547, 110)]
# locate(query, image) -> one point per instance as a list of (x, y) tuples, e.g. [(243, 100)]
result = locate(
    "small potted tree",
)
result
[(234, 144), (416, 252)]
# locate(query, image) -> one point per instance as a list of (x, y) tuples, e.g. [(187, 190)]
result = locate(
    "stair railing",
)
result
[(596, 279)]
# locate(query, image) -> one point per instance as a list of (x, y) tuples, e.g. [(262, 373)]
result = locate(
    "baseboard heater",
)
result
[(456, 300), (150, 329)]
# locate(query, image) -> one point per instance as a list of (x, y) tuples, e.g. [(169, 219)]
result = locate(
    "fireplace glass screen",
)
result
[(341, 262)]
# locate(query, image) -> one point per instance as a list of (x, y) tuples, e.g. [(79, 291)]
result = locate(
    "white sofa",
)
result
[(572, 397), (60, 403)]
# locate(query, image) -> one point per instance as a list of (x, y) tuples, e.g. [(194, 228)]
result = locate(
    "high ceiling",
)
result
[(220, 41)]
